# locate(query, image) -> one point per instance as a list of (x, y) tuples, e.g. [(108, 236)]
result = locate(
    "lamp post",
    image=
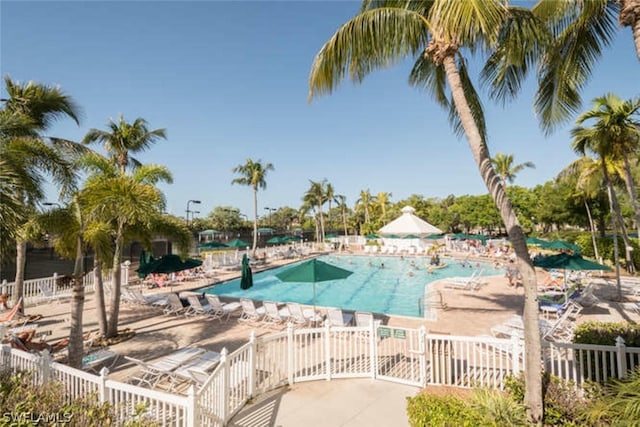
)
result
[(197, 202), (269, 218)]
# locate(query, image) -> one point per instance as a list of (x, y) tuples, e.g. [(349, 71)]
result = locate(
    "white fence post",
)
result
[(422, 338), (225, 384), (516, 348), (4, 287), (102, 385), (252, 363), (5, 361), (290, 354), (327, 350), (621, 353), (54, 286), (191, 409), (45, 366), (373, 350)]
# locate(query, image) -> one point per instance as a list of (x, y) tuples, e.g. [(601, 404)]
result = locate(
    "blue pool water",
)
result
[(388, 290)]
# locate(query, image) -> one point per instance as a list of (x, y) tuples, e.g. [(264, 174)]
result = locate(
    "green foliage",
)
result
[(431, 410), (564, 405), (498, 409), (605, 333), (618, 404)]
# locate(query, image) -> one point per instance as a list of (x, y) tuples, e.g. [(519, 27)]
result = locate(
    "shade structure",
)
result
[(169, 264), (411, 236), (434, 237), (568, 262), (371, 236), (313, 271), (408, 224), (212, 245), (561, 245), (246, 281), (237, 243)]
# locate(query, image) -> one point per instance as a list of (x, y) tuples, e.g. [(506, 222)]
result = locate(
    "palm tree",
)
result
[(630, 17), (385, 32), (383, 200), (365, 201), (342, 202), (503, 164), (29, 111), (123, 138), (619, 121), (316, 196), (253, 174), (330, 194)]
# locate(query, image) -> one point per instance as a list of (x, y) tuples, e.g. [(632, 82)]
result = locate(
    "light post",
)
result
[(197, 202), (269, 218)]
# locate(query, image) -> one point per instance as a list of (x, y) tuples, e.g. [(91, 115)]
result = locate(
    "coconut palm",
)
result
[(30, 109), (436, 33), (342, 202), (365, 201), (503, 164), (123, 138), (316, 196), (630, 17), (619, 121), (253, 174), (382, 200)]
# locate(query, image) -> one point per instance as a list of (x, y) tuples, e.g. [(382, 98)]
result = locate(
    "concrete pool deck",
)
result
[(467, 313)]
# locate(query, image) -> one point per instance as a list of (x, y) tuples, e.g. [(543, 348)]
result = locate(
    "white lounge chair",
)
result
[(196, 308), (273, 314), (221, 310), (249, 311), (366, 319), (153, 373), (335, 317), (298, 316), (174, 305)]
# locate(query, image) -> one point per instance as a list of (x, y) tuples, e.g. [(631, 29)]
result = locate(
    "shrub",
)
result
[(605, 333), (430, 410), (618, 404), (498, 409)]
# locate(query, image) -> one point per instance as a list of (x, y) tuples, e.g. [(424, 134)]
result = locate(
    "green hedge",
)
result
[(605, 249), (605, 333)]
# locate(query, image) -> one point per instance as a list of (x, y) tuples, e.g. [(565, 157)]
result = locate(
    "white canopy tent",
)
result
[(409, 224)]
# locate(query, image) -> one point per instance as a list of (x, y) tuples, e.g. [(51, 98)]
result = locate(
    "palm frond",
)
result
[(426, 74), (521, 42), (375, 39)]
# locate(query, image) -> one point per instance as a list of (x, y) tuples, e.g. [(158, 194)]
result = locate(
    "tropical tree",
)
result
[(253, 174), (330, 194), (503, 164), (630, 17), (436, 32), (316, 196), (365, 201), (382, 200), (619, 121), (123, 138), (342, 203), (30, 110)]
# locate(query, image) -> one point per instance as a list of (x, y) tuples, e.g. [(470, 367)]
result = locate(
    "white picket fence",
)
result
[(42, 289), (408, 356)]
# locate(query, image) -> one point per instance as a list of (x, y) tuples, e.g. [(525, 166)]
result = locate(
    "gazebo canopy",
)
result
[(409, 224)]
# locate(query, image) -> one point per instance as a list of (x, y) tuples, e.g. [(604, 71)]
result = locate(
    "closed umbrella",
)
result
[(145, 258), (568, 262), (237, 243), (313, 271), (246, 281)]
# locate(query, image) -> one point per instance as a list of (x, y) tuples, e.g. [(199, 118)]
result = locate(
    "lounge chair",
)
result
[(196, 308), (335, 317), (9, 318), (202, 364), (219, 309), (465, 283), (273, 314), (152, 373), (49, 295), (298, 316), (366, 319), (174, 305), (249, 311), (100, 358)]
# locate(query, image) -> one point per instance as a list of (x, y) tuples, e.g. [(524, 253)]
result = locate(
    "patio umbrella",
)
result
[(411, 236), (246, 281), (330, 236), (372, 236), (237, 243), (169, 264), (212, 245), (313, 271), (276, 240), (434, 237), (145, 258), (568, 262)]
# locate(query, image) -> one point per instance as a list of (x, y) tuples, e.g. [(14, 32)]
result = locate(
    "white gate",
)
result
[(401, 355)]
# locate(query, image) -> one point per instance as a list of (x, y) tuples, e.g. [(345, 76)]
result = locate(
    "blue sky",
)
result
[(229, 81)]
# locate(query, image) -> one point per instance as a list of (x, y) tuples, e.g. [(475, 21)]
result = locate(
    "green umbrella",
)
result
[(145, 258), (330, 236), (568, 262), (246, 281), (392, 236), (313, 271), (212, 245), (536, 242), (276, 240), (168, 264), (372, 236), (237, 243), (411, 236), (434, 237)]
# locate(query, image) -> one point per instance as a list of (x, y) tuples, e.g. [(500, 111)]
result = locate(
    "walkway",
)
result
[(337, 403)]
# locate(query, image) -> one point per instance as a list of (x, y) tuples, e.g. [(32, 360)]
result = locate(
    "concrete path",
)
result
[(345, 402)]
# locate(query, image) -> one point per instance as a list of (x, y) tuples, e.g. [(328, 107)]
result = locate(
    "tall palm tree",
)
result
[(436, 33), (123, 138), (503, 164), (383, 200), (342, 202), (253, 174), (630, 17), (330, 194), (29, 111), (365, 201), (619, 121), (316, 196)]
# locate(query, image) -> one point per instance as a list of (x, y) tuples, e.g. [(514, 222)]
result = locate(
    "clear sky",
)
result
[(228, 80)]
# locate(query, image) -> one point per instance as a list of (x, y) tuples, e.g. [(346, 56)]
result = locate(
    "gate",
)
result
[(401, 355)]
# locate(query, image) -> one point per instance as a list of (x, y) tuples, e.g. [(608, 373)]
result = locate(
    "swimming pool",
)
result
[(395, 289)]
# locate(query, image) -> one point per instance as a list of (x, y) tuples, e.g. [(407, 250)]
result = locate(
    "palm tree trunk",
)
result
[(631, 189), (77, 307), (344, 221), (321, 222), (114, 310), (630, 17), (614, 229), (623, 232), (101, 311), (533, 352), (255, 222), (593, 232), (21, 260)]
